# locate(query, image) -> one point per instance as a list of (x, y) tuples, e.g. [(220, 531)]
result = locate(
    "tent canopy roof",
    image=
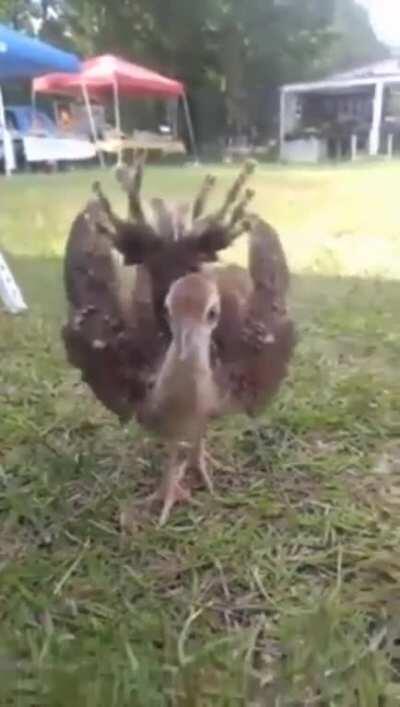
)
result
[(25, 57), (103, 72)]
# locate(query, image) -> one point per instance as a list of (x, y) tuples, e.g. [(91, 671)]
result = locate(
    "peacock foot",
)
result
[(170, 492), (197, 463), (167, 495)]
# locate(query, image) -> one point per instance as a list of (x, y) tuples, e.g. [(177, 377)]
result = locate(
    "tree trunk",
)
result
[(233, 57)]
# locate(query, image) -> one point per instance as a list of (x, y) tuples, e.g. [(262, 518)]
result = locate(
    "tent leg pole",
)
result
[(34, 110), (174, 112), (33, 101), (190, 128), (282, 122), (8, 146), (92, 123), (117, 113)]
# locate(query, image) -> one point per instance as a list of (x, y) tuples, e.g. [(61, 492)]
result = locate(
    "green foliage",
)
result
[(47, 18), (238, 47), (355, 42)]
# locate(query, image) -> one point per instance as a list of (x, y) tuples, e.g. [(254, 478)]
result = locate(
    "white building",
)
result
[(351, 113)]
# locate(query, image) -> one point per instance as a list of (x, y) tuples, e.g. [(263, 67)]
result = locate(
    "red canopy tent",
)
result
[(105, 73)]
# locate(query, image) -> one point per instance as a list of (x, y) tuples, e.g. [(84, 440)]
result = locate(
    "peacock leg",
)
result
[(198, 462), (171, 490)]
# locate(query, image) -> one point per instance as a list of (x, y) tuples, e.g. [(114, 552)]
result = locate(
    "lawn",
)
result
[(282, 590)]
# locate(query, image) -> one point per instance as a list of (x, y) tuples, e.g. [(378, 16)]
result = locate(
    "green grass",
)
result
[(282, 590)]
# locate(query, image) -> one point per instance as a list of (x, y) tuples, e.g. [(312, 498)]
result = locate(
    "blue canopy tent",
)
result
[(23, 57)]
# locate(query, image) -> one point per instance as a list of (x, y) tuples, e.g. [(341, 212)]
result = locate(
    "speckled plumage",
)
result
[(117, 332)]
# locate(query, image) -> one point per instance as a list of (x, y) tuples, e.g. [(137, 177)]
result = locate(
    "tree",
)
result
[(45, 18), (264, 42), (356, 43), (234, 48)]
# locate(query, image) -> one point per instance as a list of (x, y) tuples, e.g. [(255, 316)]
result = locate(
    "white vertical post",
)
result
[(353, 146), (190, 128), (8, 146), (33, 101), (92, 123), (390, 145), (117, 114), (374, 136), (282, 121), (173, 116), (56, 112)]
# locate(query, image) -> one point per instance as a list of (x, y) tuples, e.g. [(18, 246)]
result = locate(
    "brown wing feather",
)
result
[(115, 353), (116, 332), (256, 337)]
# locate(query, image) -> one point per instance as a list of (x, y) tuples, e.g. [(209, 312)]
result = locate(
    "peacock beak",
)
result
[(189, 339)]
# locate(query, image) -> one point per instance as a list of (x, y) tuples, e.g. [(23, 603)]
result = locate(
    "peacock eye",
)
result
[(212, 315)]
